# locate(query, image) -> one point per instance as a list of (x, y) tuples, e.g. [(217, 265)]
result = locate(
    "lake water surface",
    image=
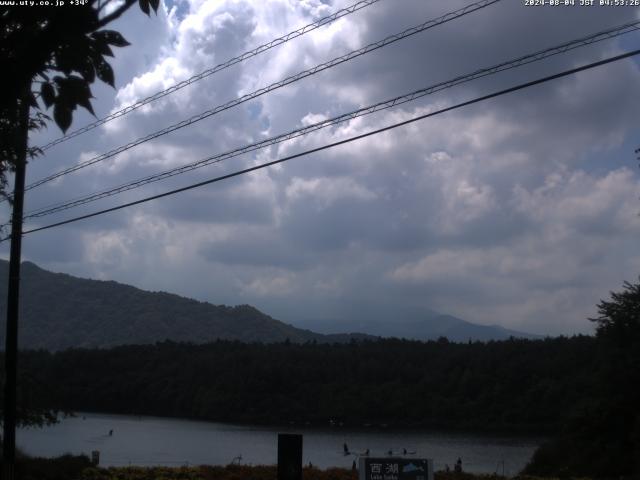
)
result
[(166, 441)]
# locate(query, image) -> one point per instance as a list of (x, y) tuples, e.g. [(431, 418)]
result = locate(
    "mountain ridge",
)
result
[(60, 311), (424, 327)]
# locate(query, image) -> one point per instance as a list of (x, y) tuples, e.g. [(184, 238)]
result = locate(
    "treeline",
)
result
[(514, 385), (601, 436)]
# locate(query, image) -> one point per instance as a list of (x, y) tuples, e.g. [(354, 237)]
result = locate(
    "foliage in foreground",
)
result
[(66, 467), (51, 58), (602, 438)]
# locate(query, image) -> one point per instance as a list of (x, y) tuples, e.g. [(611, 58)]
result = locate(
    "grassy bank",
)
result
[(234, 472), (79, 468)]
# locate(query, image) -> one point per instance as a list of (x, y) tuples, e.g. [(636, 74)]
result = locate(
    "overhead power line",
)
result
[(257, 93), (210, 71), (399, 100), (341, 142)]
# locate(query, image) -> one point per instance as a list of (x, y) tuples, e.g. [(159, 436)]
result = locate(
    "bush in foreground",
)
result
[(66, 467)]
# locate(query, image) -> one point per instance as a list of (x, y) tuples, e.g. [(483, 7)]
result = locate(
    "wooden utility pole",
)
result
[(13, 297)]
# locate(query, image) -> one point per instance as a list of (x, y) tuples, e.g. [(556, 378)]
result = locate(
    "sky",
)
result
[(520, 211)]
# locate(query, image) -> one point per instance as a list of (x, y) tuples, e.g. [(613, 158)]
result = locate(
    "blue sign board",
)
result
[(395, 468)]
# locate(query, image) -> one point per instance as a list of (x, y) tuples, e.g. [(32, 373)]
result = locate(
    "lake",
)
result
[(149, 441)]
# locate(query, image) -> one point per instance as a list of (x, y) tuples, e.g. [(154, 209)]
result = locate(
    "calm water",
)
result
[(164, 441)]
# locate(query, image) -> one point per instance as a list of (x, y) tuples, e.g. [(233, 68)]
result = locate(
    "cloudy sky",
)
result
[(520, 211)]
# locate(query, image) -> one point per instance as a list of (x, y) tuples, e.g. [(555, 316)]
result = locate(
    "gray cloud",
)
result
[(520, 211)]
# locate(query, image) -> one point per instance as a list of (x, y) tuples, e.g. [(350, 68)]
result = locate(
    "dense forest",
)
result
[(516, 385)]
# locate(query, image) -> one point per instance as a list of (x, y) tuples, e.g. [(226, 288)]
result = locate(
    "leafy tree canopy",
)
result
[(603, 439), (49, 57), (619, 319)]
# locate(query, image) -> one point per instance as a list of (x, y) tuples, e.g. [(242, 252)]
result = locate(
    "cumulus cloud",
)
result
[(578, 231), (520, 211)]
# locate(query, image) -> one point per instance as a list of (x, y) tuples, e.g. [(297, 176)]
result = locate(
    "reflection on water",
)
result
[(164, 441)]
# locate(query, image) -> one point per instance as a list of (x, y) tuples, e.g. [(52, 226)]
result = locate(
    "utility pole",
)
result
[(13, 296)]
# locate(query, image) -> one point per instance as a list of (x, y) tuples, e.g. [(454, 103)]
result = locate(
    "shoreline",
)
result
[(154, 441), (540, 434)]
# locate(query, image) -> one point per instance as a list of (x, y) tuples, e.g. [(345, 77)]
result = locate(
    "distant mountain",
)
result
[(415, 325), (59, 311)]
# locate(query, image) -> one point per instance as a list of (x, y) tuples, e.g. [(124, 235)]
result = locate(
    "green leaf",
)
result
[(74, 91), (82, 94), (105, 72), (86, 103), (64, 60), (112, 38), (76, 57), (87, 70), (48, 94), (100, 46), (62, 114), (144, 6)]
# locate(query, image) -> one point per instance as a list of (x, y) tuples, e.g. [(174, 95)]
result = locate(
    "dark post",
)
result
[(11, 345), (289, 456)]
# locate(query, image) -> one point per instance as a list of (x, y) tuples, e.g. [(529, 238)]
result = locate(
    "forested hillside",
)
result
[(527, 385), (60, 311)]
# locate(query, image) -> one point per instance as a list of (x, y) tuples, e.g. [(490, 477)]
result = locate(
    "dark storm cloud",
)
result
[(495, 34)]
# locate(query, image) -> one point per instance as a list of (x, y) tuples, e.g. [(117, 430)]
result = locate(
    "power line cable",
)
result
[(206, 73), (386, 104), (341, 142), (257, 93)]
